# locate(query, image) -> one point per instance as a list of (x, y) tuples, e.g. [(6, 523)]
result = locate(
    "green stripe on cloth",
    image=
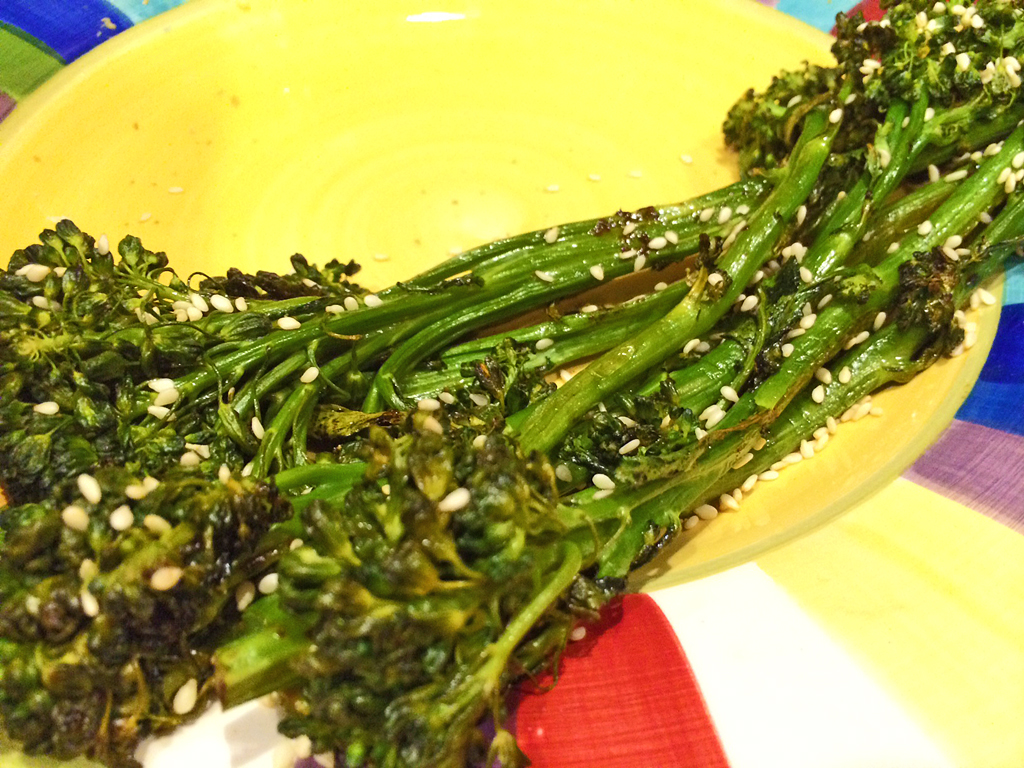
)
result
[(24, 63)]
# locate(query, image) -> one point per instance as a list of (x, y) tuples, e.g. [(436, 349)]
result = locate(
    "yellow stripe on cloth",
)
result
[(928, 596)]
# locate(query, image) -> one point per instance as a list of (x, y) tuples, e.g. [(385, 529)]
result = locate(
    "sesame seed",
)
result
[(639, 263), (603, 494), (224, 474), (597, 271), (158, 411), (706, 214), (859, 338), (34, 273), (288, 324), (845, 375), (627, 422), (544, 344), (690, 346), (879, 321), (547, 277), (372, 300), (691, 522), (90, 605), (175, 190), (309, 375), (257, 428), (743, 460), (686, 159), (47, 408), (699, 433), (724, 214), (714, 419), (796, 332), (431, 424), (351, 303), (478, 442), (933, 173), (447, 397), (628, 228), (166, 396), (823, 375), (428, 404), (603, 482), (222, 303), (589, 309), (929, 114), (247, 470), (956, 175), (629, 447), (706, 512), (551, 188), (563, 473), (787, 350), (794, 101), (715, 278), (835, 115), (748, 304), (1010, 185), (801, 214), (768, 475), (749, 483), (199, 302), (268, 584), (165, 578), (818, 394), (190, 459), (245, 593), (806, 275), (185, 697), (121, 519), (807, 321), (551, 235), (241, 304), (75, 518), (659, 287), (89, 487), (657, 243), (730, 394), (479, 400), (986, 297), (876, 410), (454, 501), (728, 502), (594, 177), (671, 236), (334, 309), (824, 301), (806, 449)]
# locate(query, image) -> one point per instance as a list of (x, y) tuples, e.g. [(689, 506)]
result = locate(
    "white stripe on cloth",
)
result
[(780, 691)]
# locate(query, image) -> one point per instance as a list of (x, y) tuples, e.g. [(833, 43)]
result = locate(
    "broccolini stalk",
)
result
[(697, 313)]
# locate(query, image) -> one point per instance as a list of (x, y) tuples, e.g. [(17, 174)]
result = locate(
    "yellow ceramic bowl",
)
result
[(231, 132), (395, 136)]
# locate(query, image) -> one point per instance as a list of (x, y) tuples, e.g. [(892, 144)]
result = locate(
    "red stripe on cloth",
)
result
[(626, 697), (870, 8)]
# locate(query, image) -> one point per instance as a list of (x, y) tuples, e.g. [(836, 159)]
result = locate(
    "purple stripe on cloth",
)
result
[(980, 467), (6, 105)]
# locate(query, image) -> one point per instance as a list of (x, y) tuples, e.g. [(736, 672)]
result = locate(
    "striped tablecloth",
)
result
[(894, 636)]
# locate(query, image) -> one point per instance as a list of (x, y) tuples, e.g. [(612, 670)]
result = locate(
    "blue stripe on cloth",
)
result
[(997, 399), (70, 27), (817, 13), (137, 11), (1013, 289)]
